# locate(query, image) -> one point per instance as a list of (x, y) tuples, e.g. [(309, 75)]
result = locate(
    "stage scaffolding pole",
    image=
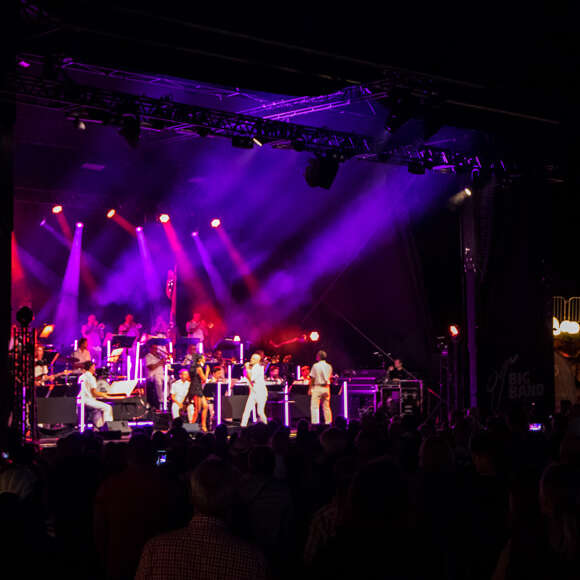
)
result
[(469, 253)]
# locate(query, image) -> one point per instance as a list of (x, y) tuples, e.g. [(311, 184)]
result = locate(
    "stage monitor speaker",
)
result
[(192, 427), (122, 426)]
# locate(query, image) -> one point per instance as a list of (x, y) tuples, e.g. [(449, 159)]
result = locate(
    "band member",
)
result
[(319, 390), (196, 327), (179, 390), (199, 377), (89, 395), (305, 374), (258, 395), (286, 368), (130, 327), (93, 331), (396, 372), (160, 327), (40, 366), (218, 375), (82, 354), (155, 362), (274, 373)]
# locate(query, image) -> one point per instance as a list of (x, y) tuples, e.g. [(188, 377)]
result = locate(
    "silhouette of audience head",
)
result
[(212, 487)]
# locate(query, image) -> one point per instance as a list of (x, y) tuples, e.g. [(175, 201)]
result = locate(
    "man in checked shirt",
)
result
[(205, 549)]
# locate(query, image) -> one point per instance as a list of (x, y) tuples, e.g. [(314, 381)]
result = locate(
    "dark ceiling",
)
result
[(525, 59)]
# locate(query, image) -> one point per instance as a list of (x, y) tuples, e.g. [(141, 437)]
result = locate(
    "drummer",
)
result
[(81, 355)]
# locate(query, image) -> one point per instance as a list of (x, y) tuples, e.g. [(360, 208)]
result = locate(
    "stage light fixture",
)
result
[(164, 218), (24, 64), (42, 223), (111, 213), (236, 338), (454, 330), (79, 124), (138, 229), (467, 192), (416, 168), (194, 234), (314, 336), (57, 209), (130, 129), (569, 327), (80, 224), (216, 223), (257, 142), (242, 142), (321, 172)]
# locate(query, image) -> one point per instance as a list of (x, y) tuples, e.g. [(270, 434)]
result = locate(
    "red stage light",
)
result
[(216, 223), (454, 330), (164, 218), (111, 213), (314, 336), (57, 209)]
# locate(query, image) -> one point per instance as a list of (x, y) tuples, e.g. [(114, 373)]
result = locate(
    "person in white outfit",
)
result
[(89, 395), (319, 391), (258, 394), (179, 390)]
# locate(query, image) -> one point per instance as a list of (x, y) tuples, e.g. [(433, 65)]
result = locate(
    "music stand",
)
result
[(122, 341), (182, 346), (158, 341)]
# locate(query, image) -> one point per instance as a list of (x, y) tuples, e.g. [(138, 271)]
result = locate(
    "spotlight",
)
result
[(453, 330), (321, 172), (216, 223), (57, 209), (164, 218), (236, 338), (130, 129), (138, 229), (467, 192), (569, 327), (242, 142), (80, 224), (111, 213), (194, 234), (314, 336), (257, 142), (42, 223), (79, 124), (23, 64)]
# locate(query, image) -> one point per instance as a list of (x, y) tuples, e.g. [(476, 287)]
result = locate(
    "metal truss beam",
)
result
[(112, 106)]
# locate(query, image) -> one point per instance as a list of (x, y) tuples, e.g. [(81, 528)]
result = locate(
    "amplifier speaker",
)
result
[(57, 410)]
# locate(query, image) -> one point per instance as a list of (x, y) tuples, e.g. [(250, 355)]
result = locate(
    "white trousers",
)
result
[(320, 394), (175, 411), (104, 412), (256, 400)]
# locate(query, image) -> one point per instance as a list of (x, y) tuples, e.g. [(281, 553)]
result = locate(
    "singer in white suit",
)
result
[(258, 394)]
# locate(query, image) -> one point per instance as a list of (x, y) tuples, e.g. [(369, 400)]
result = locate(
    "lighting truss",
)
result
[(91, 103)]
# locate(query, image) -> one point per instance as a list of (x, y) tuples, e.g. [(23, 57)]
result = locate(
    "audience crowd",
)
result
[(379, 497)]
